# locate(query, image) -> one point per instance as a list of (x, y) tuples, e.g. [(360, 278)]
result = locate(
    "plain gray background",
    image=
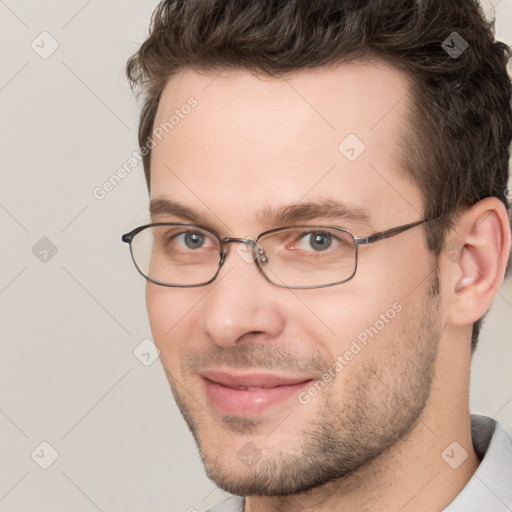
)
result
[(72, 307)]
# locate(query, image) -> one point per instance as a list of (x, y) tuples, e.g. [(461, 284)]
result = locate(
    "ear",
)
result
[(477, 251)]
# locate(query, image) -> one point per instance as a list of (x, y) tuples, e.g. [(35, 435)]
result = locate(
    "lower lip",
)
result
[(241, 402)]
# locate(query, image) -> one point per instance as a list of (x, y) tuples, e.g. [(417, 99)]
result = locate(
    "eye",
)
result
[(318, 241), (184, 240), (193, 239)]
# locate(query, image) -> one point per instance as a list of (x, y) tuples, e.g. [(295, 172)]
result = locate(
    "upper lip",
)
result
[(251, 380)]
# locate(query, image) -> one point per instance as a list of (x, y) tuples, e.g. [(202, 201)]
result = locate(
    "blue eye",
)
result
[(320, 241), (193, 240)]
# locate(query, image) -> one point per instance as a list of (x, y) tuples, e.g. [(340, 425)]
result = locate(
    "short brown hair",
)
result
[(457, 147)]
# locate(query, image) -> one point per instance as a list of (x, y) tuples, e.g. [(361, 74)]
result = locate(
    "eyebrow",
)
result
[(269, 217), (305, 212), (160, 207)]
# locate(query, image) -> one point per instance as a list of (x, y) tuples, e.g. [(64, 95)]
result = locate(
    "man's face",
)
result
[(287, 389)]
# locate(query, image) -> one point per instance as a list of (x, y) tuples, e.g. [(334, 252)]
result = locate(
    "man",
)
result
[(328, 227)]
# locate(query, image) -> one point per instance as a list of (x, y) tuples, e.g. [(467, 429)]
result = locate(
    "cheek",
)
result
[(159, 306), (344, 309), (172, 315), (353, 323), (329, 320), (395, 267)]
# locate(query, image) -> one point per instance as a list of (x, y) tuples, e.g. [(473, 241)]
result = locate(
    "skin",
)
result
[(372, 439)]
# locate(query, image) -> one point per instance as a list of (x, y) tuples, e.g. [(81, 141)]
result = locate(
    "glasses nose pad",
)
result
[(223, 255), (260, 255), (245, 249), (250, 251)]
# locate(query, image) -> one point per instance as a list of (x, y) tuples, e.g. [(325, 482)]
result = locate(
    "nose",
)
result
[(241, 304)]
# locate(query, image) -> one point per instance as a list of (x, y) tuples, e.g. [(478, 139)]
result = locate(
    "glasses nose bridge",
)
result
[(257, 252), (230, 240)]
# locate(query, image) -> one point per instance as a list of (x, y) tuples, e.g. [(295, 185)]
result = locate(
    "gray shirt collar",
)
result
[(490, 487)]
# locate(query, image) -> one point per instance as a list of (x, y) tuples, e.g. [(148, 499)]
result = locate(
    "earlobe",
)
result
[(479, 268)]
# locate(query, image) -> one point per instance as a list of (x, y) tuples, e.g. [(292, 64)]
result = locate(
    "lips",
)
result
[(249, 394)]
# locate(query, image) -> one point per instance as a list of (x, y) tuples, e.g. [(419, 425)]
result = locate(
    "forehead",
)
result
[(251, 142)]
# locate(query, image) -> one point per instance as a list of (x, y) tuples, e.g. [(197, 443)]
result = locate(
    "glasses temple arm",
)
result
[(391, 232)]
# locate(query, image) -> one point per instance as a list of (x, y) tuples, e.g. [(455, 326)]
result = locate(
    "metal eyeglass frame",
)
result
[(258, 253)]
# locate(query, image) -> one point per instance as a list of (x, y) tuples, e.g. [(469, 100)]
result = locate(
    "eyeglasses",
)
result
[(188, 255)]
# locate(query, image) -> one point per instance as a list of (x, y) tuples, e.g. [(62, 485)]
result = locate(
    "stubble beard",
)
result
[(381, 405)]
